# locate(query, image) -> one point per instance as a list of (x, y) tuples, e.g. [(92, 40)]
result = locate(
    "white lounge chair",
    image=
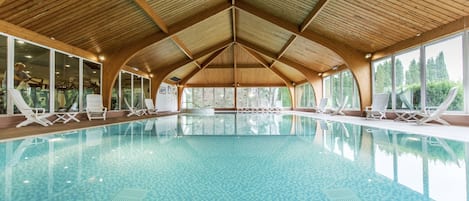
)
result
[(341, 107), (33, 115), (133, 110), (322, 106), (150, 107), (94, 107), (436, 114), (377, 110)]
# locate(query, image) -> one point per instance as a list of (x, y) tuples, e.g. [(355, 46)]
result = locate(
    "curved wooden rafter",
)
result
[(120, 56), (353, 58)]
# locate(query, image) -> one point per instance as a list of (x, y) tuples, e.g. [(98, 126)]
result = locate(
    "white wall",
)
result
[(166, 98)]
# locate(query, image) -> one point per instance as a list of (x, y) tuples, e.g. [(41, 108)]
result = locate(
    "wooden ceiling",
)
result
[(236, 41)]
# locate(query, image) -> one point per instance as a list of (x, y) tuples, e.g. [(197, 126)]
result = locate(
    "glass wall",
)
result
[(137, 101), (444, 69), (263, 97), (382, 77), (45, 77), (146, 88), (126, 89), (305, 96), (339, 85), (441, 68), (32, 73), (66, 82), (3, 74), (91, 79), (115, 104), (407, 65), (208, 97)]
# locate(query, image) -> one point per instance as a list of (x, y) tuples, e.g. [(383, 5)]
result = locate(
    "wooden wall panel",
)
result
[(181, 72), (293, 74), (214, 76), (225, 58), (251, 76)]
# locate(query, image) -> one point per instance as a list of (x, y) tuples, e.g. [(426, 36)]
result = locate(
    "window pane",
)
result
[(350, 89), (126, 89), (336, 91), (115, 95), (91, 79), (327, 89), (382, 75), (444, 70), (265, 97), (146, 88), (3, 71), (137, 100), (305, 96), (207, 97), (31, 74), (408, 80), (66, 82)]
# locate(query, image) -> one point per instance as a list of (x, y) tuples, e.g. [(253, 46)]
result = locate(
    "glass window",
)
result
[(408, 83), (3, 73), (350, 89), (305, 96), (66, 82), (444, 69), (216, 97), (264, 97), (115, 95), (327, 89), (91, 79), (31, 73), (126, 89), (137, 92), (336, 88), (146, 88), (382, 77)]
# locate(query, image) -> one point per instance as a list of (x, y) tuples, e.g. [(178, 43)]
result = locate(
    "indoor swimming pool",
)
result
[(233, 157)]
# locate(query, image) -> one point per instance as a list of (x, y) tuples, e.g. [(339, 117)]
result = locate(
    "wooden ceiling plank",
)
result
[(182, 46), (317, 9), (238, 66), (286, 46), (153, 15)]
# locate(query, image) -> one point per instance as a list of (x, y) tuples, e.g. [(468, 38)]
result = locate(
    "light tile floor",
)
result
[(436, 130)]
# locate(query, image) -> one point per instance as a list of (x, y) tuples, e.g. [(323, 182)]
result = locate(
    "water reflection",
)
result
[(433, 167)]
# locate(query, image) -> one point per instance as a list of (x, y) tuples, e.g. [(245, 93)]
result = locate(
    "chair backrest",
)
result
[(405, 101), (380, 102), (149, 104), (343, 103), (322, 103), (18, 100), (94, 102), (445, 104), (127, 103)]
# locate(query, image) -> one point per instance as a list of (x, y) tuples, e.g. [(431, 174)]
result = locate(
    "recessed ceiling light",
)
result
[(101, 58), (28, 56), (20, 42), (67, 65)]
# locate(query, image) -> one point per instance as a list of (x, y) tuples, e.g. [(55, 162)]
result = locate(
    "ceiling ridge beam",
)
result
[(204, 65), (153, 15), (233, 22), (314, 13), (265, 63)]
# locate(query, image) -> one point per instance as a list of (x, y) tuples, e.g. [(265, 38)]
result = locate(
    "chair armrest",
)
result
[(368, 108), (39, 110)]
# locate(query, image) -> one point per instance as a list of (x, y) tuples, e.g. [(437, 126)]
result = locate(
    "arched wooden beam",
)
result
[(279, 74), (120, 56), (162, 73), (354, 59), (310, 75), (153, 15)]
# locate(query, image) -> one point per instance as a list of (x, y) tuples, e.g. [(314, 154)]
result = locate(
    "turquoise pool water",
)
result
[(233, 157)]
